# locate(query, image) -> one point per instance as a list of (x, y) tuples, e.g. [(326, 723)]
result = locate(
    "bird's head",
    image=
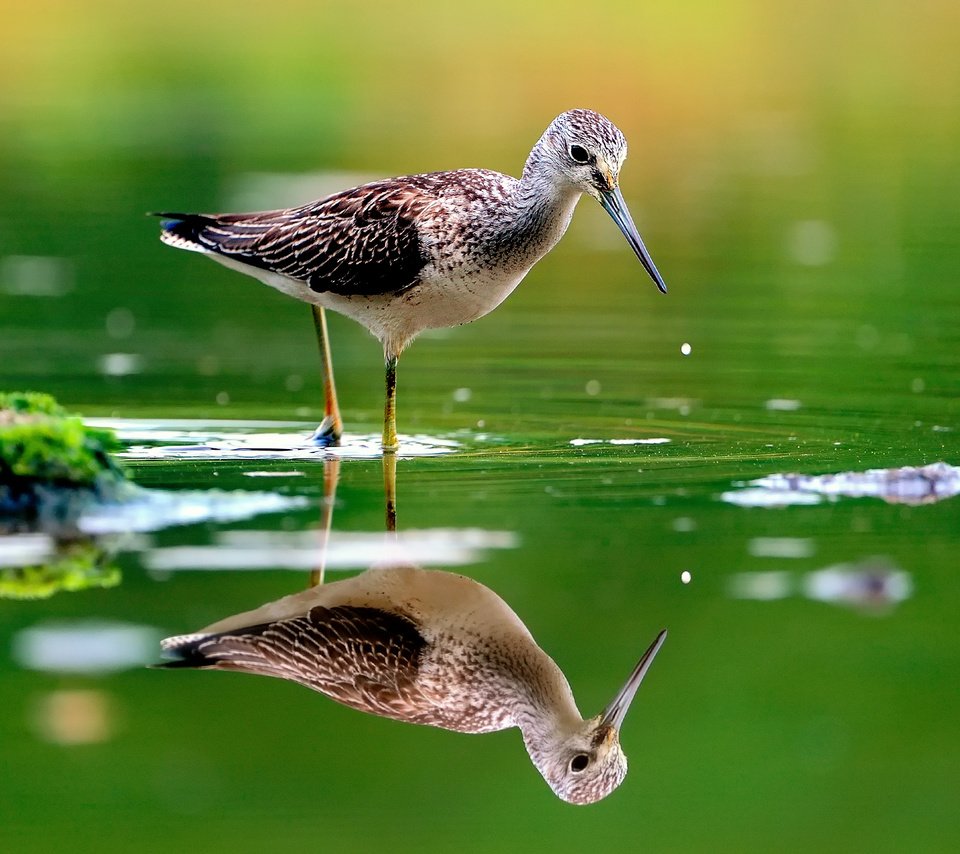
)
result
[(588, 764), (587, 150)]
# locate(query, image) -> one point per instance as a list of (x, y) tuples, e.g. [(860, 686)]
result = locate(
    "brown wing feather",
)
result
[(361, 241), (365, 658)]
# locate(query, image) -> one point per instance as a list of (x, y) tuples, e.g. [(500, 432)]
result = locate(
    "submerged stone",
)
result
[(51, 464), (53, 469), (62, 495)]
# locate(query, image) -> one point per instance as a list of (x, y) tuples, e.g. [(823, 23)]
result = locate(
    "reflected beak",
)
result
[(614, 714), (613, 204)]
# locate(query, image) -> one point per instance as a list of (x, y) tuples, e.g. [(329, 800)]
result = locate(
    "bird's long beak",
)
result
[(614, 714), (613, 204)]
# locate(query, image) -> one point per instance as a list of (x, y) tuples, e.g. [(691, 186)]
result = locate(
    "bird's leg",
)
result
[(390, 491), (331, 428), (390, 443), (331, 475)]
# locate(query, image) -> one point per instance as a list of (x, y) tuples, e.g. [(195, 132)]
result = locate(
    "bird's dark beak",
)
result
[(613, 204), (614, 714)]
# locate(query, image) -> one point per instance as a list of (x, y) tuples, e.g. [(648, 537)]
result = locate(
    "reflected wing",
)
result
[(362, 241), (365, 658)]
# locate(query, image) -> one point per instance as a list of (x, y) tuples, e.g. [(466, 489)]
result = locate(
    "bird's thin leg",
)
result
[(390, 491), (390, 443), (331, 475), (331, 428)]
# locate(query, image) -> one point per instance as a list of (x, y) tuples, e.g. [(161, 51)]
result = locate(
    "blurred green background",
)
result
[(795, 171)]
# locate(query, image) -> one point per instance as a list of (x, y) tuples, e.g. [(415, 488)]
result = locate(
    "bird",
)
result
[(426, 647), (419, 252)]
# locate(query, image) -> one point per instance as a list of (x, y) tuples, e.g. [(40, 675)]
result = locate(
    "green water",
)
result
[(799, 197)]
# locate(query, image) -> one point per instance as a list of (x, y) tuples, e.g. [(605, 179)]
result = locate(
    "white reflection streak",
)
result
[(156, 509), (85, 646), (782, 404), (763, 586), (36, 275), (786, 547), (873, 585), (25, 549), (288, 446), (760, 497), (232, 439), (120, 364), (659, 440), (905, 485), (243, 550), (870, 584)]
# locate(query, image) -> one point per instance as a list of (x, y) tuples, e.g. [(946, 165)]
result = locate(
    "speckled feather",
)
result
[(384, 661), (422, 251), (365, 658), (361, 241), (368, 240), (427, 647)]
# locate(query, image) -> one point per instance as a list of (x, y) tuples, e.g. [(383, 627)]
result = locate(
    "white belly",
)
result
[(437, 302)]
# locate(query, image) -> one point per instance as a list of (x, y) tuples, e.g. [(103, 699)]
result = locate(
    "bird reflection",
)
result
[(426, 647)]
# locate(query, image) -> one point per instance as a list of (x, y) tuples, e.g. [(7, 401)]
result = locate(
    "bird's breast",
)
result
[(470, 683), (447, 295)]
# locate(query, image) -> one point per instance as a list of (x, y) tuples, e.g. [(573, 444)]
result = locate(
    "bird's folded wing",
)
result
[(365, 658), (363, 241)]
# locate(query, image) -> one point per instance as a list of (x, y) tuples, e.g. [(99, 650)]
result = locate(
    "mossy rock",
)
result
[(75, 566), (45, 450)]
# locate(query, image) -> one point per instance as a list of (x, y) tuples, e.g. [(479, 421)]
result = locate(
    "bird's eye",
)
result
[(579, 154), (579, 762)]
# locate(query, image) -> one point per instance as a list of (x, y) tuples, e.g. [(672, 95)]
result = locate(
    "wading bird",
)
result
[(427, 647), (421, 252)]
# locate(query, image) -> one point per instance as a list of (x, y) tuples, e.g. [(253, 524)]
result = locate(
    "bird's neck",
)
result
[(539, 211), (546, 712)]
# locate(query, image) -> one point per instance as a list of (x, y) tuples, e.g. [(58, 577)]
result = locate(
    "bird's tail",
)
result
[(184, 230), (187, 651), (221, 650)]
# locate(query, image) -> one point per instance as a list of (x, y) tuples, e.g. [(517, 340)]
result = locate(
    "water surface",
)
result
[(805, 698)]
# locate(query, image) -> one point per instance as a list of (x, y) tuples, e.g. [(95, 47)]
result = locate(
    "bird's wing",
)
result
[(365, 658), (363, 241)]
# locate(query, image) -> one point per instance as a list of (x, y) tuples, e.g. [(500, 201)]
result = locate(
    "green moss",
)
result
[(41, 443), (76, 566)]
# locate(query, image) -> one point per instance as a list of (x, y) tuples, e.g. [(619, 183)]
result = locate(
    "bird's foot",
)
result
[(328, 433)]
